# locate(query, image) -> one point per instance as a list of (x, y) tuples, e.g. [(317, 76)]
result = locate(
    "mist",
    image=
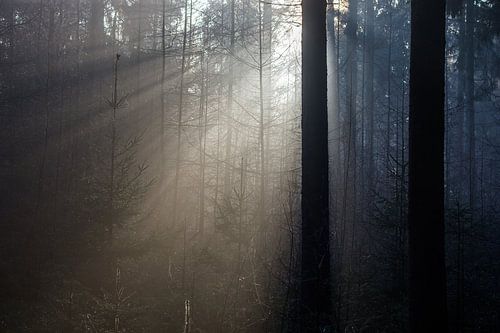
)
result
[(248, 166)]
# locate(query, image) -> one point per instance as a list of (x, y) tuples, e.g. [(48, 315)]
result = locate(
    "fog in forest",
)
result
[(151, 157)]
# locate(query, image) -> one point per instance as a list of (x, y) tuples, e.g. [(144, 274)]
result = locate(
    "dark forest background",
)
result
[(150, 165)]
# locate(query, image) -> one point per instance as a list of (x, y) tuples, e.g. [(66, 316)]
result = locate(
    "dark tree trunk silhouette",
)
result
[(460, 101), (315, 284), (369, 99), (426, 171), (469, 99)]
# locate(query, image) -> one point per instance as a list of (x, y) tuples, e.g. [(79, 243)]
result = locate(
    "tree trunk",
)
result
[(333, 119), (427, 280), (261, 127), (162, 90), (179, 115), (350, 173), (96, 36), (229, 123), (389, 103), (469, 99), (315, 283), (369, 100), (460, 153), (203, 135)]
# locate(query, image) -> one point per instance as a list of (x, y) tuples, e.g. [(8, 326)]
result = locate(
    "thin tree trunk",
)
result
[(469, 100), (48, 80), (96, 36), (179, 115), (75, 145), (229, 123), (202, 140), (369, 100), (162, 90), (389, 101), (115, 103), (402, 189), (265, 66), (460, 152), (460, 313), (333, 120), (262, 161), (138, 81), (350, 185), (95, 56)]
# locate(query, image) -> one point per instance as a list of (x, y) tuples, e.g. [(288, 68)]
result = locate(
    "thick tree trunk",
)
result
[(428, 311), (315, 283)]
